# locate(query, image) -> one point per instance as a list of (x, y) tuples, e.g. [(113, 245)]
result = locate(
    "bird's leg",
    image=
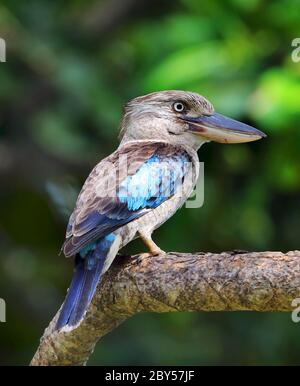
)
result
[(150, 244)]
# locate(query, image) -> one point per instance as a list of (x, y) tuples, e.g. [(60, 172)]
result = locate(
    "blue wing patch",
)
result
[(158, 178), (155, 182)]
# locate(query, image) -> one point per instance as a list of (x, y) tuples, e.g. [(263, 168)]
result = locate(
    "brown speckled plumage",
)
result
[(99, 193)]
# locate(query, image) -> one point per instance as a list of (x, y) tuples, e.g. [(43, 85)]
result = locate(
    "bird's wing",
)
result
[(136, 178)]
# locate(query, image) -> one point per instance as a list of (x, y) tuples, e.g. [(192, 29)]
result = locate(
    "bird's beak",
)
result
[(222, 129)]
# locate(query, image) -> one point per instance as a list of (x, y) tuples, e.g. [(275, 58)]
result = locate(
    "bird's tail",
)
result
[(88, 268)]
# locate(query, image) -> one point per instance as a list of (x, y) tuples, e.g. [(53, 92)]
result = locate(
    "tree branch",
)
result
[(230, 281)]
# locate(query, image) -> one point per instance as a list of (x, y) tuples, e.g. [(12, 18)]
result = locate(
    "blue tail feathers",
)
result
[(89, 264)]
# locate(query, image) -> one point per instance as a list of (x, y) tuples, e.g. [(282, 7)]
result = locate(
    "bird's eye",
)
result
[(179, 107)]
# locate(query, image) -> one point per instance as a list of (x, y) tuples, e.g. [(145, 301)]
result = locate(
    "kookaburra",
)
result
[(137, 188)]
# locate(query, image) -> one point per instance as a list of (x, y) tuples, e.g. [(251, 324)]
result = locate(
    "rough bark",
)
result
[(229, 281)]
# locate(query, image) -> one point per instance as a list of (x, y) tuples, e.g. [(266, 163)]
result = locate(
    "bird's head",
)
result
[(181, 117)]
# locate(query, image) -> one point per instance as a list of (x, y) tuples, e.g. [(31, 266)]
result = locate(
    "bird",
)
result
[(133, 191)]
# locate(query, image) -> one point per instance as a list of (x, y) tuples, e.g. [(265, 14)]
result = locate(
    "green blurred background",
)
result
[(70, 67)]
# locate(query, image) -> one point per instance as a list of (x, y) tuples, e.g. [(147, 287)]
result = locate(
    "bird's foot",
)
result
[(154, 250), (157, 252), (145, 255)]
